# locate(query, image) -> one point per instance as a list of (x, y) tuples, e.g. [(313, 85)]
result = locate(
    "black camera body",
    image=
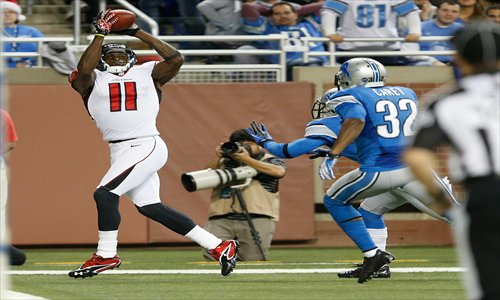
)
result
[(229, 148)]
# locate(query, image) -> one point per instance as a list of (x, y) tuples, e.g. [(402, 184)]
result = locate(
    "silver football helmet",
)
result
[(117, 69), (360, 72)]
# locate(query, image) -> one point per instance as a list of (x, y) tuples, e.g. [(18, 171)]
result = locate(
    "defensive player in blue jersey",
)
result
[(364, 183), (319, 136)]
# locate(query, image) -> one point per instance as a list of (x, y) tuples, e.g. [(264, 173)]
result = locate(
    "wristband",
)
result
[(99, 34), (171, 57), (332, 156)]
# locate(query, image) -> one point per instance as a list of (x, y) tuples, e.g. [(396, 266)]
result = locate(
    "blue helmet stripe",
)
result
[(375, 71)]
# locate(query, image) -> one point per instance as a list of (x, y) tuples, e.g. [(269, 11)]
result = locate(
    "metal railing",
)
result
[(39, 41), (333, 53), (279, 69), (152, 23)]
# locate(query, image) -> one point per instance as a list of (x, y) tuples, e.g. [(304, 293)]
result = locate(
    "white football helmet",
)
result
[(360, 72), (117, 69)]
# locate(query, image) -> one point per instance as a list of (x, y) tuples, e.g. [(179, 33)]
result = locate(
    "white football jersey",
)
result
[(369, 18), (125, 107)]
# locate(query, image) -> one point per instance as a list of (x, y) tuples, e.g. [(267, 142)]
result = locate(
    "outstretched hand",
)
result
[(259, 133), (104, 21), (326, 169)]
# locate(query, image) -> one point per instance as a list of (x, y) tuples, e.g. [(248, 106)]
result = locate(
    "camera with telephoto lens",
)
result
[(232, 172), (207, 179)]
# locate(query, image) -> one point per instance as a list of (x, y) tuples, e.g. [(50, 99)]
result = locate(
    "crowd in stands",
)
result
[(333, 19)]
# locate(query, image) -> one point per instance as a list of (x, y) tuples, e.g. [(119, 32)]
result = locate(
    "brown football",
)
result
[(126, 19)]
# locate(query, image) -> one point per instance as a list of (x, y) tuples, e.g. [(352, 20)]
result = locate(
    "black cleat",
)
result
[(373, 264), (384, 272)]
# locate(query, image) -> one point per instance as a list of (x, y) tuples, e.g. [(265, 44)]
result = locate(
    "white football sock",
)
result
[(108, 242), (370, 253), (379, 237), (203, 238)]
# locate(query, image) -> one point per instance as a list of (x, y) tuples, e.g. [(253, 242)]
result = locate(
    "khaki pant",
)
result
[(226, 229)]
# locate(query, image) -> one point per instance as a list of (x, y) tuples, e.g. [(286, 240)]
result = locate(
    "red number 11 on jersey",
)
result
[(115, 96)]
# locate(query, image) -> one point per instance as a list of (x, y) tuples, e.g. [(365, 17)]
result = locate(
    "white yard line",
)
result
[(237, 271), (13, 295)]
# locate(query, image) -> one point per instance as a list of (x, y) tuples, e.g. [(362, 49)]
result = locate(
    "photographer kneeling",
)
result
[(227, 215)]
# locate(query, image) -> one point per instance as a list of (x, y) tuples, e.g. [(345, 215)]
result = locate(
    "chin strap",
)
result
[(119, 70)]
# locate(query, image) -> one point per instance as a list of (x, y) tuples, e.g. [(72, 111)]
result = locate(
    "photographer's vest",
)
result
[(258, 200)]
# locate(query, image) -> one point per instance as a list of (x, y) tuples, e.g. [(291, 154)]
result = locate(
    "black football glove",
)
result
[(132, 30)]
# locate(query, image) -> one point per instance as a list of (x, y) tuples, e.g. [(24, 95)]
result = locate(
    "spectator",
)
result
[(222, 18), (470, 10), (284, 19), (12, 16), (427, 11), (267, 4), (8, 140), (370, 19), (443, 25), (493, 13), (227, 217), (308, 12)]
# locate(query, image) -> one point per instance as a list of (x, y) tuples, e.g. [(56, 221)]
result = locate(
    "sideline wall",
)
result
[(60, 158)]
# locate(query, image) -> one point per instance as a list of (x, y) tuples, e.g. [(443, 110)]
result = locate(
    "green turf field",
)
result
[(290, 274)]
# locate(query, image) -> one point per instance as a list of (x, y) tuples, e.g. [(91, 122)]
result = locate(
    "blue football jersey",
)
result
[(389, 113), (328, 129)]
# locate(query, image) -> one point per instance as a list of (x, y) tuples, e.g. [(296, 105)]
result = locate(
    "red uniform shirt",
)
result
[(8, 132)]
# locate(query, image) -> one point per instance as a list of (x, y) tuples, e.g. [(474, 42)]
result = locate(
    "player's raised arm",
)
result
[(83, 79)]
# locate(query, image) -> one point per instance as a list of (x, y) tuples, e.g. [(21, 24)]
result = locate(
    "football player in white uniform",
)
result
[(123, 100)]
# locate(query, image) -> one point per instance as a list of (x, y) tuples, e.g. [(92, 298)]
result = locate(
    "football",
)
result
[(126, 19)]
